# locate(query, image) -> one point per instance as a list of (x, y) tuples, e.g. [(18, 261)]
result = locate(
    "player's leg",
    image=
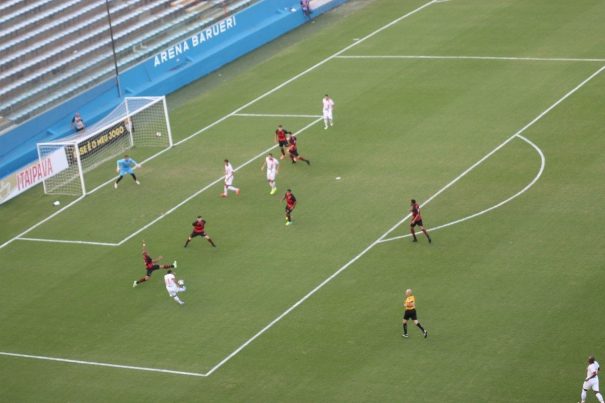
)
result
[(326, 121), (413, 232), (288, 216), (300, 158), (210, 241), (583, 395), (424, 332), (233, 189), (283, 152), (174, 295), (115, 185), (426, 233), (405, 328), (189, 238), (141, 280), (135, 178), (599, 396), (293, 158)]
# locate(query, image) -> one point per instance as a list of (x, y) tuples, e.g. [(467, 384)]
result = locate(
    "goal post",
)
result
[(135, 122)]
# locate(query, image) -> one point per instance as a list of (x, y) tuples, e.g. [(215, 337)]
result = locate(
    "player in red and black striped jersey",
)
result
[(282, 140), (151, 265), (199, 230), (293, 151), (417, 221), (290, 205)]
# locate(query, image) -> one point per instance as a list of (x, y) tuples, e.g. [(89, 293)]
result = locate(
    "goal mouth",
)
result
[(135, 122)]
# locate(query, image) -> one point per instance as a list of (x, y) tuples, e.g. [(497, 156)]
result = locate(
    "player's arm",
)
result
[(118, 166), (594, 374), (156, 260), (262, 168), (144, 247), (136, 164)]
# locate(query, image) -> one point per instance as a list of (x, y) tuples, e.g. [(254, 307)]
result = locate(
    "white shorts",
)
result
[(271, 176), (591, 384), (229, 181), (173, 291), (327, 114)]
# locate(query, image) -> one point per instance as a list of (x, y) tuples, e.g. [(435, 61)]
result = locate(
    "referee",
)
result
[(410, 313)]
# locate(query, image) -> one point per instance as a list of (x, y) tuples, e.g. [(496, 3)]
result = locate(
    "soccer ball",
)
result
[(158, 134), (181, 283)]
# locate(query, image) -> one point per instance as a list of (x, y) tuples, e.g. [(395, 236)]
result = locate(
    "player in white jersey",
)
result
[(328, 107), (592, 380), (272, 165), (229, 174), (173, 287)]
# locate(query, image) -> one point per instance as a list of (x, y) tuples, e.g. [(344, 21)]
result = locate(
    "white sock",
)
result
[(232, 188), (583, 395), (225, 189), (600, 397), (177, 299)]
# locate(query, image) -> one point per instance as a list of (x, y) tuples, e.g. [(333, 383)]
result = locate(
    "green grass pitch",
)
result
[(512, 297)]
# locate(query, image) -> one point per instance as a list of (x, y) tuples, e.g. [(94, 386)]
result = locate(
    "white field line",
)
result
[(495, 58), (519, 193), (102, 364), (68, 241), (274, 115), (280, 86), (383, 236)]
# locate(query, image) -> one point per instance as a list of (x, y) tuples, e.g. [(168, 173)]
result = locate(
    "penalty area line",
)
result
[(102, 364), (67, 241)]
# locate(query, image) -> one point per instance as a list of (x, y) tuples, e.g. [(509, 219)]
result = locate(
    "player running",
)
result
[(199, 230), (152, 265), (417, 221), (328, 108), (173, 287), (410, 313), (272, 166), (290, 205), (592, 380), (293, 151), (282, 140), (229, 175), (126, 166)]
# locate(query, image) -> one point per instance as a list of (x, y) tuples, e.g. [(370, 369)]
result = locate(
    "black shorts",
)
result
[(153, 268), (293, 153), (410, 314), (419, 223), (283, 143), (194, 234)]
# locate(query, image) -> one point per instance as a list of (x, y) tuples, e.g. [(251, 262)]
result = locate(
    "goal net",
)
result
[(136, 122)]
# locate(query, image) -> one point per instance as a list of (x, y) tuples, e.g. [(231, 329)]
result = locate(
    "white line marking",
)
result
[(379, 239), (274, 115), (327, 59), (68, 241), (519, 193), (501, 58), (41, 222), (102, 364)]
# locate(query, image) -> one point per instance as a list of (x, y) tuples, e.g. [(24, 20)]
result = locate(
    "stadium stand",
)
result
[(54, 50)]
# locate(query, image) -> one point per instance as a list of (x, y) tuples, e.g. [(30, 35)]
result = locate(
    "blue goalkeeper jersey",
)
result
[(126, 165)]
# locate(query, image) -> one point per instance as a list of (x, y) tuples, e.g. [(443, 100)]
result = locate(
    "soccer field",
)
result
[(488, 112)]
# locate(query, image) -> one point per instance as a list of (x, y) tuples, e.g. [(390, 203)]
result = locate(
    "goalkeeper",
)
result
[(126, 166)]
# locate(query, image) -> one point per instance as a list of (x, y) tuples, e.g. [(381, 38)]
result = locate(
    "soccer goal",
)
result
[(136, 122)]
